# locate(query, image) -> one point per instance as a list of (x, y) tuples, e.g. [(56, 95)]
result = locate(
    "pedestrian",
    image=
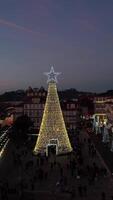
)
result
[(73, 194), (85, 190), (46, 175), (61, 171), (51, 166), (80, 190), (65, 180), (32, 186), (103, 196), (84, 140)]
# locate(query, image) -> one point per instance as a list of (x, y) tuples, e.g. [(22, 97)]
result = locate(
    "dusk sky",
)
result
[(75, 36)]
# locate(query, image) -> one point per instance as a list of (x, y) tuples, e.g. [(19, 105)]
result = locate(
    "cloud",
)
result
[(16, 26)]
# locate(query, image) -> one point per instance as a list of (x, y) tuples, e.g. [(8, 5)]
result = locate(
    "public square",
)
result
[(81, 174)]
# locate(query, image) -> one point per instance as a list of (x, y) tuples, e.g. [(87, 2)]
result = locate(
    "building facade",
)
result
[(103, 109), (34, 103)]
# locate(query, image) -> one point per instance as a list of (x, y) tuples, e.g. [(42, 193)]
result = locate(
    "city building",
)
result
[(33, 106), (100, 114), (103, 111), (69, 109)]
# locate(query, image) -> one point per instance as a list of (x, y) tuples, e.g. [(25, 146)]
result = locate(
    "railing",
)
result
[(4, 139)]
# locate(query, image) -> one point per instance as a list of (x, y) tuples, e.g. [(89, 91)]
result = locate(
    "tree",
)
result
[(20, 128)]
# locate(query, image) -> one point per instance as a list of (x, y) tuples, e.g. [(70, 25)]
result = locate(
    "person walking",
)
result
[(103, 196), (85, 190)]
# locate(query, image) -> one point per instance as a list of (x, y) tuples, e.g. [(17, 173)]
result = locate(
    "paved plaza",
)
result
[(104, 149), (25, 176)]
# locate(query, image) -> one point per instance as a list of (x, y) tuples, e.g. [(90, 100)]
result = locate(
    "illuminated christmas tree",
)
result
[(53, 131)]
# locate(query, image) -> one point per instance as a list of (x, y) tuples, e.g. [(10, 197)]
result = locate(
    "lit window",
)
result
[(27, 106), (72, 105)]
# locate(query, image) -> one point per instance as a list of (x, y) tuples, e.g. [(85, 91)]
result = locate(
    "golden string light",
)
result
[(53, 126)]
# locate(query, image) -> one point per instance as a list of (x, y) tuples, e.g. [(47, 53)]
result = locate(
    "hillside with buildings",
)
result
[(31, 103)]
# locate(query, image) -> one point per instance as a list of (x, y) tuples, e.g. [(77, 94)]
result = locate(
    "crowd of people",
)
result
[(74, 174)]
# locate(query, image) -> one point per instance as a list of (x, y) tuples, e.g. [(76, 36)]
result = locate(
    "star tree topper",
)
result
[(52, 75)]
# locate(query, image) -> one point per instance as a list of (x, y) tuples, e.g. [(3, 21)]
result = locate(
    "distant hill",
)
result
[(12, 96), (107, 93), (68, 94), (20, 94), (71, 93)]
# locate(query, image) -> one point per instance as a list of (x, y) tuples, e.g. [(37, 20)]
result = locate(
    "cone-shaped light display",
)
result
[(52, 130)]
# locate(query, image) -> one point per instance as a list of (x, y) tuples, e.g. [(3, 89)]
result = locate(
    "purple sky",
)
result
[(75, 36)]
